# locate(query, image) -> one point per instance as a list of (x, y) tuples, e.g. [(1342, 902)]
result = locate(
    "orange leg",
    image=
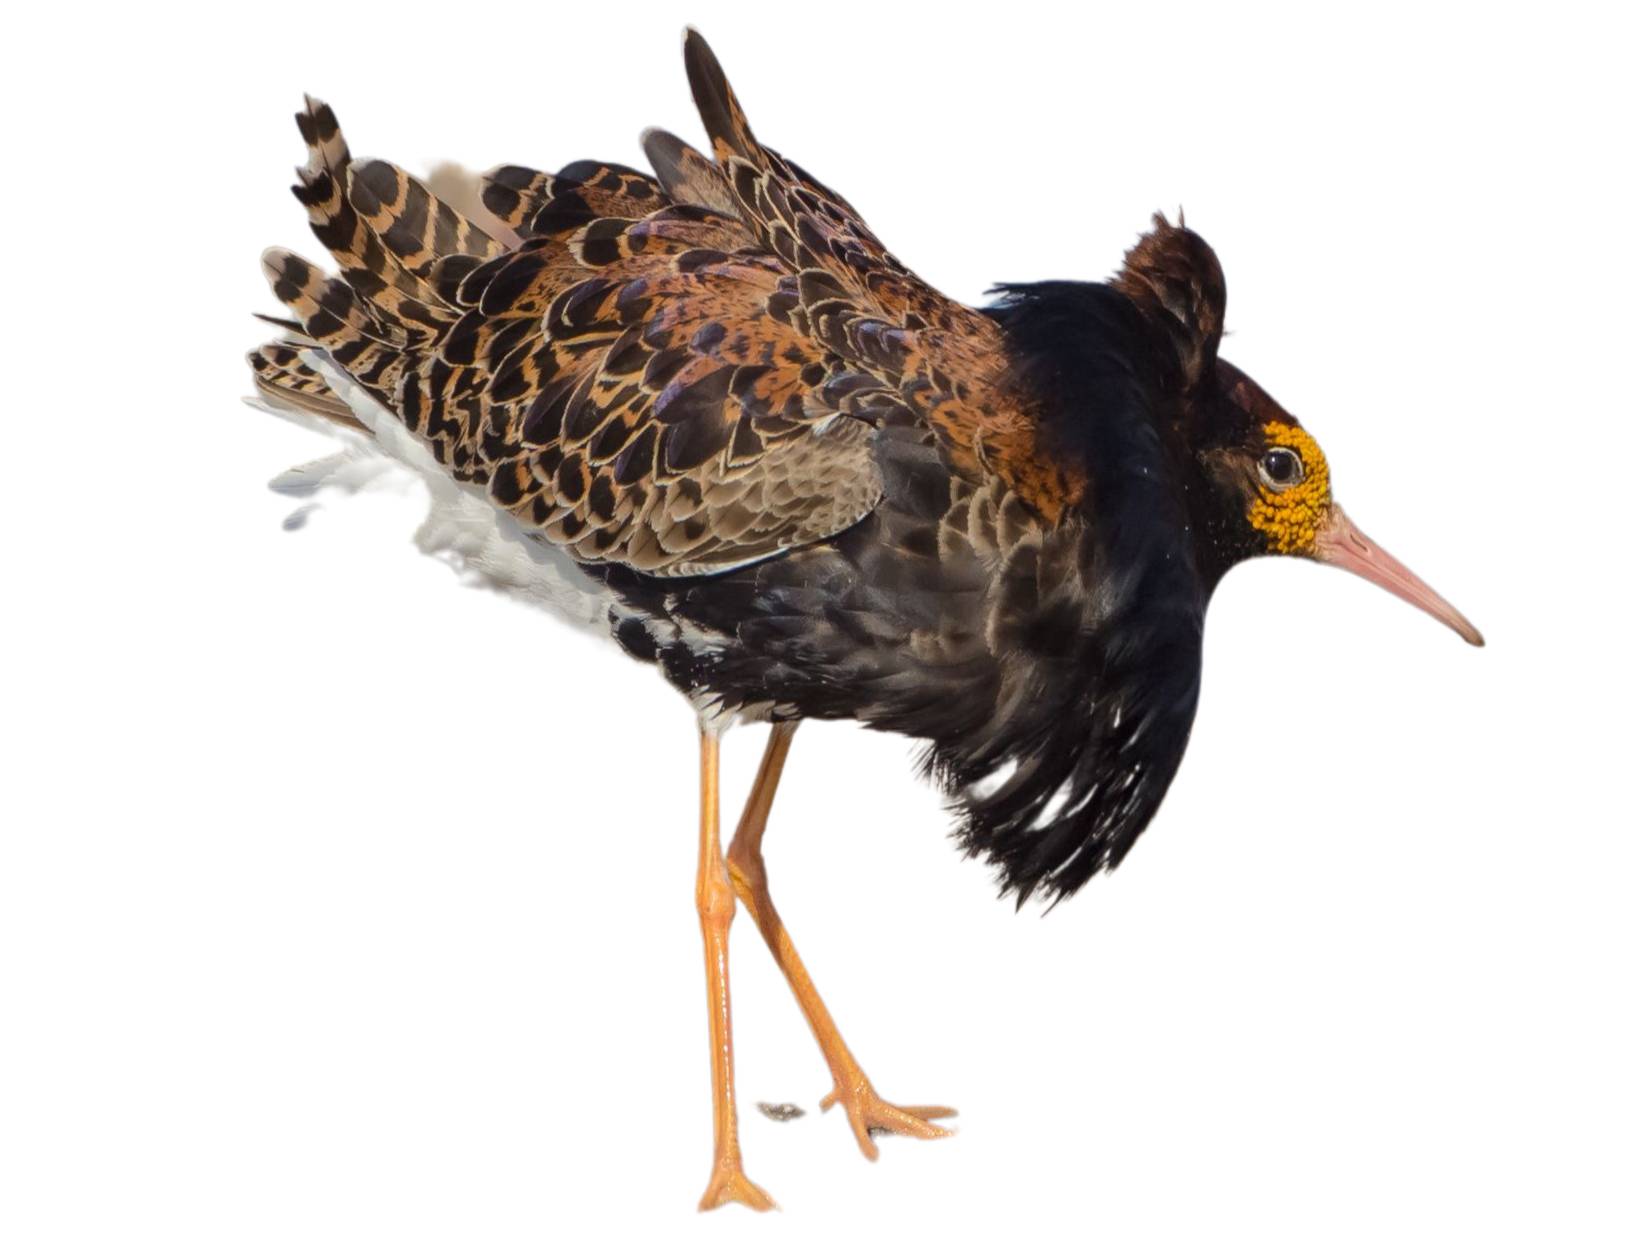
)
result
[(714, 899), (862, 1106)]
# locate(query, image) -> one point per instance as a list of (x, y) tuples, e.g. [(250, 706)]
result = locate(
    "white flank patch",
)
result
[(481, 543)]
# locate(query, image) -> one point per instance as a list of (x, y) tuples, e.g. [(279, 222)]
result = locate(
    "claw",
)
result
[(867, 1112)]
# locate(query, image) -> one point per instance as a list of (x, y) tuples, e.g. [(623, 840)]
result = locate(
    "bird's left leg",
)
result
[(865, 1110), (714, 899)]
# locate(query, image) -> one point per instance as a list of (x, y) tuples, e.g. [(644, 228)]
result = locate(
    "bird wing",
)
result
[(680, 374), (946, 360)]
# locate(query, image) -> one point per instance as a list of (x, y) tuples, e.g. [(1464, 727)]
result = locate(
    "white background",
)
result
[(339, 900)]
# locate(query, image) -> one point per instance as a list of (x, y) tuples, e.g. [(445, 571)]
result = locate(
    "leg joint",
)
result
[(745, 860), (714, 896)]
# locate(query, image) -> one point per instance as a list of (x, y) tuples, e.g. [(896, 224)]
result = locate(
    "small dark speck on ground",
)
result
[(784, 1112)]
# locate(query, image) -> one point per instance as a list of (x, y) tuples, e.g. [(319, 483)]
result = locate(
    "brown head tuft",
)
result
[(1175, 280)]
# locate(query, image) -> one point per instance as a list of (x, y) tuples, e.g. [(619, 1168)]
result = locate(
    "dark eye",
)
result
[(1281, 468)]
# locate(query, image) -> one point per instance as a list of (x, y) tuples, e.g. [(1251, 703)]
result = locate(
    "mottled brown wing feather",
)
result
[(680, 374), (688, 176)]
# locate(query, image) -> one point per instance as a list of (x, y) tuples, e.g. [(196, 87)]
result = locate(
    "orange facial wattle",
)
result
[(1290, 519)]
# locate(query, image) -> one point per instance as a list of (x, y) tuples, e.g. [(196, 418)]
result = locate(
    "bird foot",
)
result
[(730, 1185), (867, 1112)]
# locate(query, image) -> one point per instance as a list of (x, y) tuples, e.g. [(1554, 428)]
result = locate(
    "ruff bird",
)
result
[(705, 410)]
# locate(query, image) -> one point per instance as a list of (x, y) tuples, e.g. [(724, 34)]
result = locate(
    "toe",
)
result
[(931, 1112), (732, 1187)]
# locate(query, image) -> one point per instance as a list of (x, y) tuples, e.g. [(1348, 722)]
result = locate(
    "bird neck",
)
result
[(1222, 538), (1108, 389)]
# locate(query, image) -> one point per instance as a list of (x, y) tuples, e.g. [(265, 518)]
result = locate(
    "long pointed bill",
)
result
[(1340, 543)]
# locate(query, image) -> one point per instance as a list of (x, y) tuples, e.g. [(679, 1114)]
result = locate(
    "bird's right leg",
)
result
[(865, 1110)]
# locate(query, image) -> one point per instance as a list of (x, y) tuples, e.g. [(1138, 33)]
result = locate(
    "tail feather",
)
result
[(331, 317), (319, 128), (290, 326), (381, 282), (327, 309), (515, 195), (461, 189), (377, 320), (429, 303), (414, 225), (281, 375)]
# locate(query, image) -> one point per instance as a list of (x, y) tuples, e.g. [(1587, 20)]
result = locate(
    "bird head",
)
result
[(1269, 493), (1259, 483)]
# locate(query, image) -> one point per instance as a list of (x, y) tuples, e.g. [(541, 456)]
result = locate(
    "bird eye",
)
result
[(1281, 468)]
